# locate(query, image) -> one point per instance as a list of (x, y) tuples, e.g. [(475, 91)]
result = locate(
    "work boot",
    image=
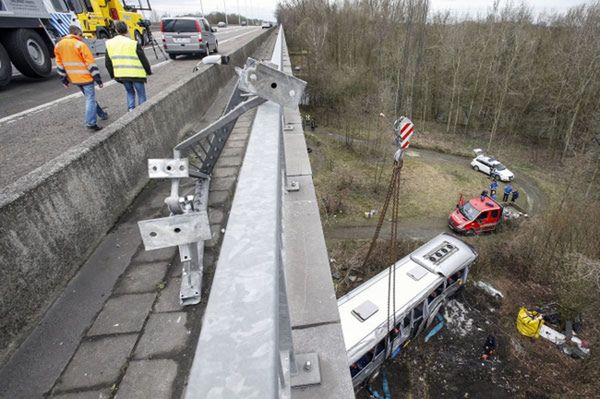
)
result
[(95, 128)]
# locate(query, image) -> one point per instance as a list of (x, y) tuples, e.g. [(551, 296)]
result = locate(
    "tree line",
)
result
[(509, 73)]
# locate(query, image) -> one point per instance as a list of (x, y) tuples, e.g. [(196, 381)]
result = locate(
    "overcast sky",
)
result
[(264, 9)]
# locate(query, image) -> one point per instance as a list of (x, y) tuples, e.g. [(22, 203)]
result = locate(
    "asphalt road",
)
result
[(41, 120), (23, 93)]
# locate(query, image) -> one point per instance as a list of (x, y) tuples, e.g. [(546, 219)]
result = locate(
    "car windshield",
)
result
[(469, 211), (499, 166)]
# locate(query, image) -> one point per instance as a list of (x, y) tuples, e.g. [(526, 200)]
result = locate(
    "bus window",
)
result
[(455, 277), (418, 319), (418, 312), (437, 292), (380, 347), (364, 360), (406, 321)]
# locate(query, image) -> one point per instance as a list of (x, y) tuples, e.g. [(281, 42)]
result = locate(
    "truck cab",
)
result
[(97, 17), (475, 216)]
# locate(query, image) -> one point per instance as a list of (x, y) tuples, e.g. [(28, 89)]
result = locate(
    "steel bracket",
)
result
[(266, 81), (175, 230), (168, 168)]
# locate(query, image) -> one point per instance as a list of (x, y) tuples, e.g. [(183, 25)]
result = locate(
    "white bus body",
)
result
[(424, 280)]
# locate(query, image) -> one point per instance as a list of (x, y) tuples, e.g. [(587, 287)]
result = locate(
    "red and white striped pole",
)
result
[(403, 129)]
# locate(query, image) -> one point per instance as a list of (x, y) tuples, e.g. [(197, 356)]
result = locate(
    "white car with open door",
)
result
[(490, 166)]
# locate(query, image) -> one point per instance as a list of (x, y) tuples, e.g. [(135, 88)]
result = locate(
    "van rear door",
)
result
[(181, 35)]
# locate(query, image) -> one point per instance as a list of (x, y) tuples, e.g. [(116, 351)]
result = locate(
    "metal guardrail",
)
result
[(188, 226), (245, 348)]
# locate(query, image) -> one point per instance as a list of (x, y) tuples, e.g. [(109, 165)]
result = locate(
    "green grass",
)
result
[(427, 190)]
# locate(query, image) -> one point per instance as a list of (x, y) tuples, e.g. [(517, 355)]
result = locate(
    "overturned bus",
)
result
[(424, 280)]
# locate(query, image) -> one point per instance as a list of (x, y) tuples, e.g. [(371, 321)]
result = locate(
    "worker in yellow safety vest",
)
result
[(127, 64), (76, 64)]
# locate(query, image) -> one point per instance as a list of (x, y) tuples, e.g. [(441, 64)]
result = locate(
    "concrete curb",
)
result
[(53, 218)]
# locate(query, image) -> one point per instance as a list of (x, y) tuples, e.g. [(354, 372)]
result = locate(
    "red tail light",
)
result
[(162, 26), (199, 31), (114, 14)]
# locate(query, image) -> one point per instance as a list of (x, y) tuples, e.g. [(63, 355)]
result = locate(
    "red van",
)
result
[(475, 216)]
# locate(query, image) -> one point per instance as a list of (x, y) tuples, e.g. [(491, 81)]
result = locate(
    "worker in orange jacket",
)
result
[(76, 64)]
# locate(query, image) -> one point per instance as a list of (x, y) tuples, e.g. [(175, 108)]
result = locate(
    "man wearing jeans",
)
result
[(76, 64), (127, 64)]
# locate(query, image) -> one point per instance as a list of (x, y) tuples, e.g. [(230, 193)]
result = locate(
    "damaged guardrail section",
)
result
[(246, 334), (53, 218)]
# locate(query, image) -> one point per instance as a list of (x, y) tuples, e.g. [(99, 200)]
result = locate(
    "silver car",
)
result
[(188, 35)]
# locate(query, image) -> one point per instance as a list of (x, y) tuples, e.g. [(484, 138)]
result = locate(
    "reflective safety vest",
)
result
[(123, 54), (75, 61)]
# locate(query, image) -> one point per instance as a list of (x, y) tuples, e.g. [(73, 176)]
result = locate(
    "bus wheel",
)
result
[(5, 67), (29, 53)]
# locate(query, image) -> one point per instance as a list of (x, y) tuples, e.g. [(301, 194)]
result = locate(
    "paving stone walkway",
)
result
[(142, 341)]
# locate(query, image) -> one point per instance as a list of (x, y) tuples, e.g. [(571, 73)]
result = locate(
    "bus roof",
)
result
[(416, 275)]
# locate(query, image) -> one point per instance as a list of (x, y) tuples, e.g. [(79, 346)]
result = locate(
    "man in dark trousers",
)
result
[(515, 196), (75, 64), (507, 190), (127, 64)]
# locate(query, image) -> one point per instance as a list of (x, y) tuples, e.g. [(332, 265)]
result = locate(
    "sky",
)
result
[(264, 9)]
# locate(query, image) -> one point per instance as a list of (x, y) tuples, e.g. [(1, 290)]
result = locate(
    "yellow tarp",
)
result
[(529, 322)]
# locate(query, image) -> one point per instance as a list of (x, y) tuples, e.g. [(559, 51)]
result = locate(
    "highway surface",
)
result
[(39, 120), (24, 93)]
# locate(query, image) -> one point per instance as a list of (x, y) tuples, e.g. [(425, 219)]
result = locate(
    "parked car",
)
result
[(266, 25), (222, 24), (244, 23), (188, 35), (490, 166)]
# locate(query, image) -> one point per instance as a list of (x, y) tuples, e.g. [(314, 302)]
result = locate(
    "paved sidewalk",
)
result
[(142, 342)]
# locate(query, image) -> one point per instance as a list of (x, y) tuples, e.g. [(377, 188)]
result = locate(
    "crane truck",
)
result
[(97, 17)]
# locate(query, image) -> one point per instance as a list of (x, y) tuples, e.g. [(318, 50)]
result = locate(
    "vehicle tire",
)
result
[(139, 38), (172, 56), (216, 49), (476, 168), (29, 53), (470, 233), (496, 177), (5, 67)]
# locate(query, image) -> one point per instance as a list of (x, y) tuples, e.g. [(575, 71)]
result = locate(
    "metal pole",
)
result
[(225, 9), (239, 14), (202, 8)]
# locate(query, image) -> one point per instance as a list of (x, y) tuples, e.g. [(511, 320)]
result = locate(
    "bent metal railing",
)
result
[(245, 347)]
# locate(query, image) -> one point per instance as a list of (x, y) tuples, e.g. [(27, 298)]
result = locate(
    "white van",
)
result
[(188, 35)]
